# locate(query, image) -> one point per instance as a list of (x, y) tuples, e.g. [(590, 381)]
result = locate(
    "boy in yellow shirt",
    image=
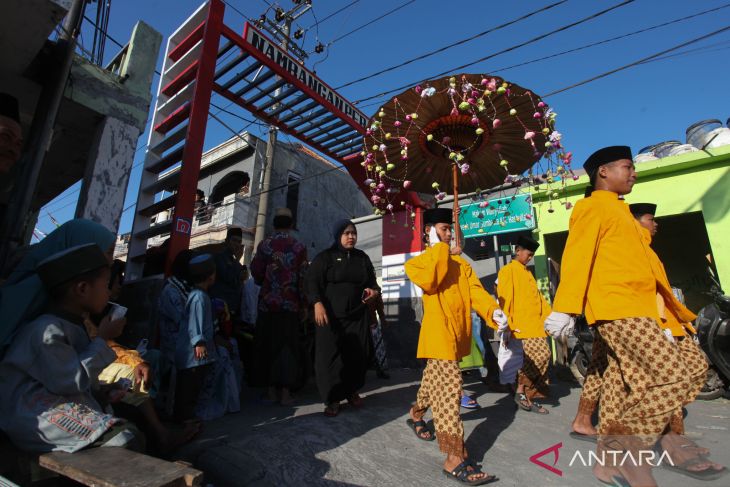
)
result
[(450, 291), (526, 311), (607, 275)]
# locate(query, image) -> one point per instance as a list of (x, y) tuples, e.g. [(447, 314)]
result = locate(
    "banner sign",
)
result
[(501, 215), (276, 54)]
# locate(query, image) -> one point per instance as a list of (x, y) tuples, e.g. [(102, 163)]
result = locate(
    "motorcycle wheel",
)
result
[(713, 387), (579, 364)]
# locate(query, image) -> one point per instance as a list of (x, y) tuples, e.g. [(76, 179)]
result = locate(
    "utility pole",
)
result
[(41, 131), (280, 31)]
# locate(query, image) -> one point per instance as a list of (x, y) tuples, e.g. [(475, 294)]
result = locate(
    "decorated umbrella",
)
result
[(465, 133)]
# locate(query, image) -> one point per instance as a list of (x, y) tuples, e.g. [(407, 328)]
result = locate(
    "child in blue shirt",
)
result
[(195, 349)]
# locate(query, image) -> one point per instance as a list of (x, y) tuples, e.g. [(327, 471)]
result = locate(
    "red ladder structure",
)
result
[(258, 76)]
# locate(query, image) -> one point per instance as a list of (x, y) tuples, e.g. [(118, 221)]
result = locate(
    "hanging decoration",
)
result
[(468, 133)]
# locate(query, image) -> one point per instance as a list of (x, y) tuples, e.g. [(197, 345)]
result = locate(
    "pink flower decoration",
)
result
[(409, 118), (397, 123), (465, 169), (484, 81), (541, 104), (529, 135), (389, 207), (471, 101), (496, 123), (454, 112), (446, 140), (475, 121), (406, 184), (418, 89), (537, 115)]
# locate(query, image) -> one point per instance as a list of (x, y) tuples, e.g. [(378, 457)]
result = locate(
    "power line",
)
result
[(640, 61), (512, 48), (404, 4), (592, 44), (453, 44), (334, 13)]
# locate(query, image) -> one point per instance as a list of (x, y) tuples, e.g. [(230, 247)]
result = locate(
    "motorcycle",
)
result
[(713, 332), (581, 349)]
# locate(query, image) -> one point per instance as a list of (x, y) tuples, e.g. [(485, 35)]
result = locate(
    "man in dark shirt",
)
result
[(229, 272)]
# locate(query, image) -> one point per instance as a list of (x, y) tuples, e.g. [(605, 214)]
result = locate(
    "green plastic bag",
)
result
[(474, 360)]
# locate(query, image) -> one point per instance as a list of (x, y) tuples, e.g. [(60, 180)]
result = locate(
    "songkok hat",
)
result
[(283, 212), (528, 243), (640, 209), (66, 265), (201, 267), (606, 156), (234, 232), (9, 107), (438, 215)]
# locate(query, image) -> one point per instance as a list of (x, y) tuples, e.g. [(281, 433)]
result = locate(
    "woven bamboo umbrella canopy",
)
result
[(465, 133)]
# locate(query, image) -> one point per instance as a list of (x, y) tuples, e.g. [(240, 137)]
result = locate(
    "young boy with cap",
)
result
[(606, 274), (49, 373), (526, 310), (195, 344), (676, 322), (450, 291)]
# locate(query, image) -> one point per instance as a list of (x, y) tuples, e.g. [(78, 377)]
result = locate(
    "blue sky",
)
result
[(646, 104)]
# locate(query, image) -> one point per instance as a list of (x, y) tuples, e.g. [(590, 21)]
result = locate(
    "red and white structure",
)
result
[(205, 56)]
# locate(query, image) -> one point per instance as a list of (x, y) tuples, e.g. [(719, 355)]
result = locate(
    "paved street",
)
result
[(275, 446)]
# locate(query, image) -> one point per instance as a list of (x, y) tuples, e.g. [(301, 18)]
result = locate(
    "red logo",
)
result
[(183, 225), (555, 449)]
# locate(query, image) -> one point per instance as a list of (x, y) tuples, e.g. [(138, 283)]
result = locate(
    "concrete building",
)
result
[(315, 190), (103, 111)]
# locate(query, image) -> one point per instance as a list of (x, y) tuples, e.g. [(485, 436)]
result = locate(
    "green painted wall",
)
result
[(697, 181)]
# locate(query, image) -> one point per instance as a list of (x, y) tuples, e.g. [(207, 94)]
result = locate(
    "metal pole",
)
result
[(270, 146), (39, 141), (496, 252)]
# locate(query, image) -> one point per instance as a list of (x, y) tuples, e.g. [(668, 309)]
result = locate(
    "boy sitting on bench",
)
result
[(51, 367)]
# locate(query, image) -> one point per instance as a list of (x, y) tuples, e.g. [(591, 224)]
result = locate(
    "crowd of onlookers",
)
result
[(69, 384)]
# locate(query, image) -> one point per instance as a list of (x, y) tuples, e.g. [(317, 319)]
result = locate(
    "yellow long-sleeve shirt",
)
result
[(450, 292), (605, 269), (674, 315), (521, 301)]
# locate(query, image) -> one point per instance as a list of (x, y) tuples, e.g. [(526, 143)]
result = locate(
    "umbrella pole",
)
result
[(457, 227)]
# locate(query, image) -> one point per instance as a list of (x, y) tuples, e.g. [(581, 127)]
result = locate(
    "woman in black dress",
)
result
[(340, 283)]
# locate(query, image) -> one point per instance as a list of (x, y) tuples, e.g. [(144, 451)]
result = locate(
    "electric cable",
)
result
[(453, 44), (508, 49)]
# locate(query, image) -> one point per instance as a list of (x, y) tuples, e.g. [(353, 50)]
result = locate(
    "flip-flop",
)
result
[(616, 481), (536, 407), (583, 437), (414, 425), (707, 474), (332, 410), (519, 397), (461, 474), (468, 402)]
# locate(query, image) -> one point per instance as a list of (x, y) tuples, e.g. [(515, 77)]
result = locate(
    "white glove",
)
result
[(501, 319), (433, 237), (668, 335), (559, 324)]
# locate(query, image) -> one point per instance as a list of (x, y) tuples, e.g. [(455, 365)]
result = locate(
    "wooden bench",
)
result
[(117, 467)]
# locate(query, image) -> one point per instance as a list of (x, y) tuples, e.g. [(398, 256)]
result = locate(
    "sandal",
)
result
[(332, 410), (709, 473), (583, 437), (414, 425), (538, 408), (355, 401), (521, 400), (462, 472), (468, 402)]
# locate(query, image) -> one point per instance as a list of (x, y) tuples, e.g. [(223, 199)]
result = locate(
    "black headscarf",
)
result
[(338, 229)]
